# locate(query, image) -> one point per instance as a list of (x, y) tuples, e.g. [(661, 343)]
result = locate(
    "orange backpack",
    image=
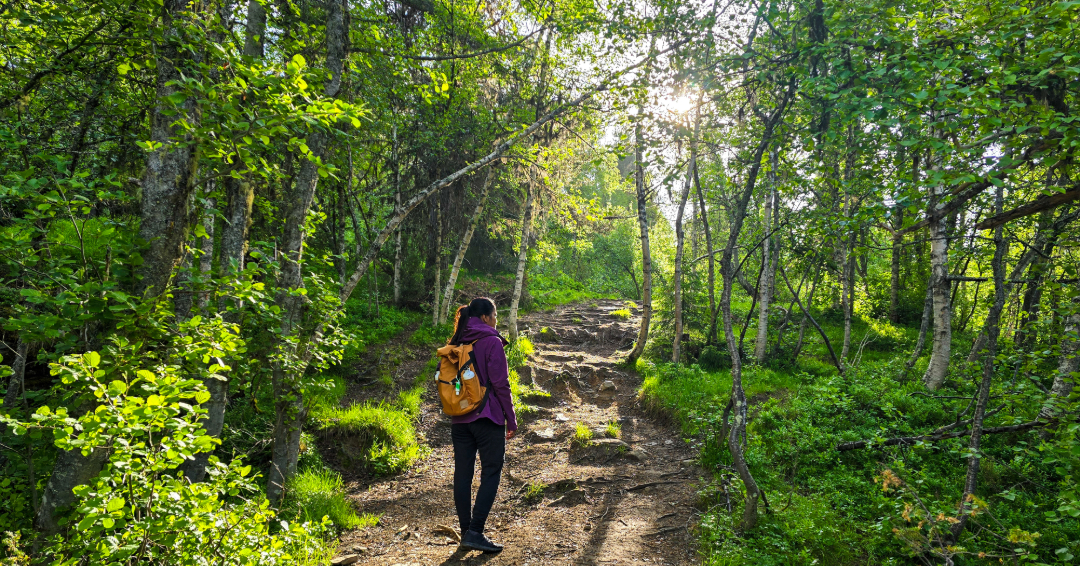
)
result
[(458, 380)]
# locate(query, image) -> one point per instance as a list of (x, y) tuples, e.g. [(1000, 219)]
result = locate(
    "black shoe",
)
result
[(477, 541)]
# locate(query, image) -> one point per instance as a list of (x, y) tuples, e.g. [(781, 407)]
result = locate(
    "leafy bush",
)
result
[(621, 313), (120, 516)]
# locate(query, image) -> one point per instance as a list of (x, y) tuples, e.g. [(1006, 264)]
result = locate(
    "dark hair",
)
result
[(480, 306)]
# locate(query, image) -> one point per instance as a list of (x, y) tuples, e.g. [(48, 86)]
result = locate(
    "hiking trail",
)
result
[(629, 500)]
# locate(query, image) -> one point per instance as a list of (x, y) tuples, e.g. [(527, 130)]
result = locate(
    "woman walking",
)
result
[(485, 430)]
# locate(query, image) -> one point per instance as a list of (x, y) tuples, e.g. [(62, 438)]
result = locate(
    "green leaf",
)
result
[(123, 68), (202, 396), (115, 504), (92, 359), (117, 388)]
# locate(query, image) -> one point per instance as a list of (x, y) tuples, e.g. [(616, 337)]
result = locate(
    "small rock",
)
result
[(608, 386), (669, 441), (345, 560), (636, 455), (545, 435), (359, 549), (559, 417)]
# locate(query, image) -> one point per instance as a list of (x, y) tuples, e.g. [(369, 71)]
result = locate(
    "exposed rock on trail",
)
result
[(606, 501)]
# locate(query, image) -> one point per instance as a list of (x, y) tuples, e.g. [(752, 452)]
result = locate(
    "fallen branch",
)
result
[(911, 440)]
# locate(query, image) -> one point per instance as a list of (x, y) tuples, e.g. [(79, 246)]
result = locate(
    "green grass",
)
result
[(621, 313), (519, 352), (582, 435), (317, 492), (381, 436), (550, 291), (429, 335), (613, 429), (534, 492)]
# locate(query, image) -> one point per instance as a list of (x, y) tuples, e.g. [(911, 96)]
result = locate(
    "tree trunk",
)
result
[(924, 327), (523, 257), (239, 197), (703, 211), (167, 185), (289, 407), (169, 178), (679, 244), (206, 257), (214, 420), (448, 295), (397, 211), (847, 300), (992, 331), (646, 254), (938, 369), (897, 250), (1068, 365), (1042, 240), (765, 281), (435, 296), (727, 270)]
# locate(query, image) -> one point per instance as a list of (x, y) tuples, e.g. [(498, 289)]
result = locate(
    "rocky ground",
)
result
[(610, 501)]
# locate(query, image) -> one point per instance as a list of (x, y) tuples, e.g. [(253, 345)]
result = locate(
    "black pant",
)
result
[(489, 439)]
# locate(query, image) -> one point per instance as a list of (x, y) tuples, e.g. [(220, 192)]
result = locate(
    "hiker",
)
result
[(484, 430)]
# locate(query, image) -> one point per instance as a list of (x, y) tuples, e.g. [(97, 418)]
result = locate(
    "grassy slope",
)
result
[(827, 507)]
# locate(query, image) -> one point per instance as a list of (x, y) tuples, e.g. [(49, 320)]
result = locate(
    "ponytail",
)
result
[(480, 306)]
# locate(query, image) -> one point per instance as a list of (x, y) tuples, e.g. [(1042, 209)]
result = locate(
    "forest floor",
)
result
[(606, 501)]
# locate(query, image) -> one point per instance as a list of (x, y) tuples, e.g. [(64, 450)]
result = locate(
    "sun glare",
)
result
[(678, 105)]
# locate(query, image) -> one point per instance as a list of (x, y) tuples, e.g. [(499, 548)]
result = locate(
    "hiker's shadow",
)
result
[(461, 557)]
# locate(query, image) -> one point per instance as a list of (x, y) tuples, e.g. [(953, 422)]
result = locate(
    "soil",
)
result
[(629, 500)]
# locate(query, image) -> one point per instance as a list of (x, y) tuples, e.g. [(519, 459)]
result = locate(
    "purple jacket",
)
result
[(494, 373)]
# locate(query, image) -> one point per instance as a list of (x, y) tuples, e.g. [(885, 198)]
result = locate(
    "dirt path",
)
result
[(616, 501)]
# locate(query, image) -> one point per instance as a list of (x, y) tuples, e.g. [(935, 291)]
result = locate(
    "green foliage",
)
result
[(155, 406), (559, 289), (370, 329), (519, 352), (434, 336), (582, 434), (713, 359), (621, 313), (833, 512), (379, 435), (613, 429), (534, 492), (315, 493)]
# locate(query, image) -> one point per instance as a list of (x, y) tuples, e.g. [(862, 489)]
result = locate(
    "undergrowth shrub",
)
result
[(139, 509)]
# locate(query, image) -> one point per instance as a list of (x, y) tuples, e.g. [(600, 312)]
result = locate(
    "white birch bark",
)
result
[(451, 281), (523, 257), (765, 282), (941, 346)]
